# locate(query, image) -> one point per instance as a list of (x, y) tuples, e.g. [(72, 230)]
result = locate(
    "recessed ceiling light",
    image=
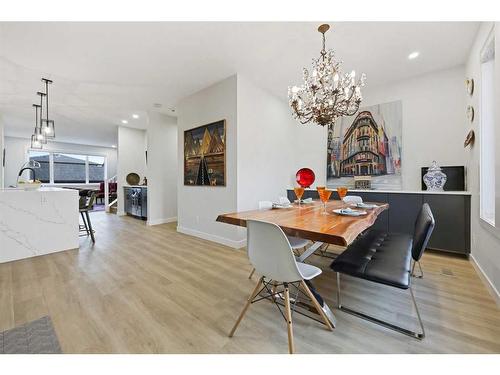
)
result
[(413, 55), (135, 116), (124, 122), (114, 146)]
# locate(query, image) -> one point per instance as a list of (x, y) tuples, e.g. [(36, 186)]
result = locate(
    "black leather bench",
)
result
[(385, 258)]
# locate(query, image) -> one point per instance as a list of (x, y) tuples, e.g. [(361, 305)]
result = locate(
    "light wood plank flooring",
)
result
[(143, 289)]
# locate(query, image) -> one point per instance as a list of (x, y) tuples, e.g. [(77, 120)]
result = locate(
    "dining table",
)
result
[(315, 222)]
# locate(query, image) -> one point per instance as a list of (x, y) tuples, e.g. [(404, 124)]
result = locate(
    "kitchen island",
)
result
[(37, 222)]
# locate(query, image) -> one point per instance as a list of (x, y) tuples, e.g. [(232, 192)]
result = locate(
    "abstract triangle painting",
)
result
[(205, 155)]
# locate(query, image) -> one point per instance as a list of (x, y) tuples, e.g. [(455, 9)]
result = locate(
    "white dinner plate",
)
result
[(349, 212)]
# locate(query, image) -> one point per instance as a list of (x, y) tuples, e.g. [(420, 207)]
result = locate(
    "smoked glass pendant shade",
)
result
[(305, 177), (35, 143), (40, 136), (48, 129)]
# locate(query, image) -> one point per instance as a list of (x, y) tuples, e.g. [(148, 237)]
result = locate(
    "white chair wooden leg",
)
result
[(316, 305), (288, 315), (247, 305)]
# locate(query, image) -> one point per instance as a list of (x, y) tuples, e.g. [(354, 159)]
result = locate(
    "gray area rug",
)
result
[(36, 337)]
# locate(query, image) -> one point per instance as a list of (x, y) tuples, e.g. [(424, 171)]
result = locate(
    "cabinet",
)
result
[(136, 201), (451, 212)]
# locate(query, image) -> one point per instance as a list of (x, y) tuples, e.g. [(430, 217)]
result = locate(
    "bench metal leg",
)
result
[(310, 251), (383, 323), (421, 276)]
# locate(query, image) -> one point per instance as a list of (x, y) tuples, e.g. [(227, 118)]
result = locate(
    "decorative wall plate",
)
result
[(469, 140), (133, 179), (469, 85), (305, 177), (470, 113)]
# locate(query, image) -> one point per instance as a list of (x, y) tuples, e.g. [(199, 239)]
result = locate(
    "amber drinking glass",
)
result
[(324, 195), (342, 191), (299, 192)]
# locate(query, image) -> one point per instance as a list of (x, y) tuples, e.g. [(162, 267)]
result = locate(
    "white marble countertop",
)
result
[(41, 189), (135, 186)]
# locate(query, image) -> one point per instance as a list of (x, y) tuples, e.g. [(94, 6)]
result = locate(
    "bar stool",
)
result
[(86, 203)]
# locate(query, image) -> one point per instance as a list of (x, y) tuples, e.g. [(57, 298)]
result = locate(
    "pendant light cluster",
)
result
[(44, 127)]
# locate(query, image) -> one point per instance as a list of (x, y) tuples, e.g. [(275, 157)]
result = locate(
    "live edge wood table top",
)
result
[(308, 221)]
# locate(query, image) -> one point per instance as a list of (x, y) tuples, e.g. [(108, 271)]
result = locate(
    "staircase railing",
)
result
[(106, 193)]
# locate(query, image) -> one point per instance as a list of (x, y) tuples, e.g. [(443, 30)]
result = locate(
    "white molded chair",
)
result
[(297, 243), (272, 256), (355, 199)]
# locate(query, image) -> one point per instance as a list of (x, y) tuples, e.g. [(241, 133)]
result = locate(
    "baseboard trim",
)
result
[(486, 280), (212, 237), (162, 221)]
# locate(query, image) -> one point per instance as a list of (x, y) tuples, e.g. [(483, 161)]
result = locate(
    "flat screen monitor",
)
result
[(455, 178)]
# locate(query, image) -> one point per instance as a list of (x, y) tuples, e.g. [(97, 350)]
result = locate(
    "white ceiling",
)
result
[(104, 72)]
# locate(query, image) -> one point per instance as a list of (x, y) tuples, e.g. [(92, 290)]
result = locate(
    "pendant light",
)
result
[(35, 142), (48, 127), (44, 127), (38, 130)]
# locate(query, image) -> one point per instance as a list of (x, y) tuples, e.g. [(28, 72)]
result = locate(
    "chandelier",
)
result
[(327, 93), (44, 127)]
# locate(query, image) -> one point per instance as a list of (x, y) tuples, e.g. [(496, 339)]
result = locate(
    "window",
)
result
[(487, 133), (68, 168), (43, 173), (96, 168)]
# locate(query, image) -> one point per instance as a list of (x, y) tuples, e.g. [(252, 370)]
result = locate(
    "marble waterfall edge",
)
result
[(37, 222)]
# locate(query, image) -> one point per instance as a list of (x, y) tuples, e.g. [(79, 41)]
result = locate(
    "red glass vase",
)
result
[(305, 177)]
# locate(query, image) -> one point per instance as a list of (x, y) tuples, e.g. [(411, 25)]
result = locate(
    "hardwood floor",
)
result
[(143, 289)]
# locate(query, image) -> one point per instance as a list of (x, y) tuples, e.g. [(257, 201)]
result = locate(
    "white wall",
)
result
[(131, 158), (162, 168), (309, 151), (199, 206), (16, 148), (1, 152), (433, 111), (265, 152), (273, 146), (485, 238)]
